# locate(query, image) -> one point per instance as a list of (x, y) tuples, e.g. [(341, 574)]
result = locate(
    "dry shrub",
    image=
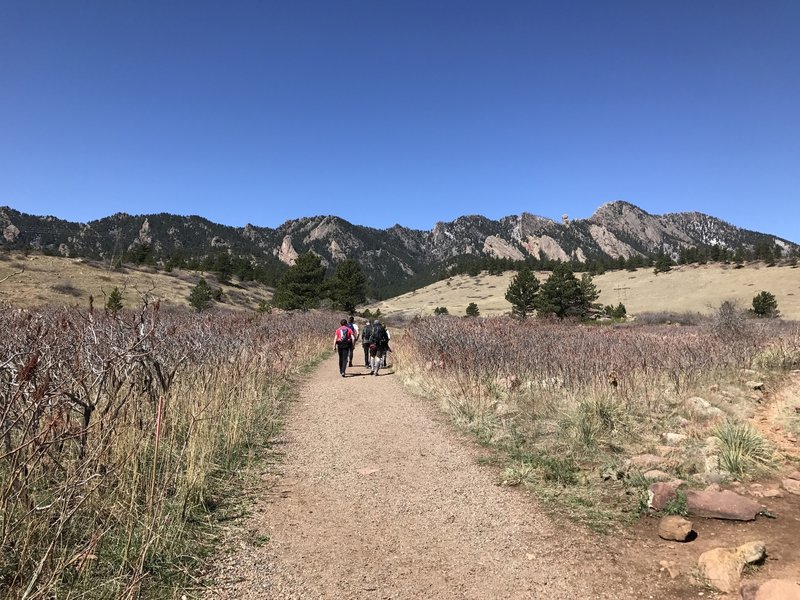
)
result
[(590, 394), (114, 430)]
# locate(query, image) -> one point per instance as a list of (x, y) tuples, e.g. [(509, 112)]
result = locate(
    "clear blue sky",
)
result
[(401, 111)]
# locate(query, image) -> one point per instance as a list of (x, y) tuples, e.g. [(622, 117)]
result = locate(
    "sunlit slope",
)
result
[(67, 281), (685, 288)]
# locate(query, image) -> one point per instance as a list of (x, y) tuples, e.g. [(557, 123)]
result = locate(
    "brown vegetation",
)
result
[(570, 404), (116, 431)]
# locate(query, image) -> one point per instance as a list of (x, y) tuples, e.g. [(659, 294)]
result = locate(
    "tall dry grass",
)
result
[(570, 402), (116, 430)]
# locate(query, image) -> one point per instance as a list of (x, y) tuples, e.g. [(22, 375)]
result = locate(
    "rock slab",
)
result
[(723, 504)]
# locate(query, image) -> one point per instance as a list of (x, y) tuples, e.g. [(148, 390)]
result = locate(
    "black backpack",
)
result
[(379, 336), (366, 334)]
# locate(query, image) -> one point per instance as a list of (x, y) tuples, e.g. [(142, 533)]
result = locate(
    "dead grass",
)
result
[(685, 289), (66, 281), (570, 405)]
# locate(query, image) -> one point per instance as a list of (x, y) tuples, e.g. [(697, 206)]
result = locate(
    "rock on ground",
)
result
[(721, 568), (723, 504)]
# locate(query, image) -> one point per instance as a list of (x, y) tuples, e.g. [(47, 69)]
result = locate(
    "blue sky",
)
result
[(406, 112)]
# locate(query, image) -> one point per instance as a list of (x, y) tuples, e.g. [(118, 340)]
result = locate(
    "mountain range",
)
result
[(390, 256)]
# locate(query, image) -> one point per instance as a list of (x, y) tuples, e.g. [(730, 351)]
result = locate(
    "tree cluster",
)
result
[(304, 286), (562, 294)]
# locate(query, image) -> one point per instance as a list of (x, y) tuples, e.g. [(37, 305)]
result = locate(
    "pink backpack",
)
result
[(344, 335)]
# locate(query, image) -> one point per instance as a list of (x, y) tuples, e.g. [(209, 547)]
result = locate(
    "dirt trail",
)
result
[(380, 498)]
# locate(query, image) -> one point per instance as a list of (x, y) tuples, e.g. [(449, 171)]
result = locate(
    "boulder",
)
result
[(721, 568), (674, 527), (755, 385), (723, 504), (703, 409), (772, 589), (673, 439), (791, 485), (663, 492)]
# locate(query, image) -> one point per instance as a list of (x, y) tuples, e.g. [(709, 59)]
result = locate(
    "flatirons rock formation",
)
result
[(616, 229)]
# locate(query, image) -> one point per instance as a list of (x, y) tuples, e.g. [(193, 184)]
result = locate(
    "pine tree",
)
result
[(765, 305), (114, 302), (521, 293), (200, 296), (349, 286), (561, 294), (301, 286), (472, 310), (589, 291)]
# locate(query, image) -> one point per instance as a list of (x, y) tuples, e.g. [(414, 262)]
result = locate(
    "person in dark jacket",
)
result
[(366, 334)]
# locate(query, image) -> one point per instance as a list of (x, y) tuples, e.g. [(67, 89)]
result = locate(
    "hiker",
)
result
[(366, 333), (388, 348), (377, 346), (343, 344), (354, 328)]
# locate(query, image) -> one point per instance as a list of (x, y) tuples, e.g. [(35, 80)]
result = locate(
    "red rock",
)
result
[(722, 505), (773, 589), (663, 492)]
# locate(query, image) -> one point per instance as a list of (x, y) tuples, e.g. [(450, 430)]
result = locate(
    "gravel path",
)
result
[(380, 498)]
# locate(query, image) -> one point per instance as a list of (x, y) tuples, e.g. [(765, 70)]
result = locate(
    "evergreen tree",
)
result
[(200, 296), (663, 264), (765, 305), (440, 310), (301, 286), (114, 302), (349, 286), (561, 294), (589, 292), (472, 310), (521, 293)]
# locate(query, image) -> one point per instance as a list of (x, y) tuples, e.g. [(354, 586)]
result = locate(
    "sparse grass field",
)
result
[(571, 406), (684, 289), (51, 280), (121, 434)]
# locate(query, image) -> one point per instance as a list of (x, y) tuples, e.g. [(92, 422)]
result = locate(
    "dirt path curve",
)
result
[(380, 498)]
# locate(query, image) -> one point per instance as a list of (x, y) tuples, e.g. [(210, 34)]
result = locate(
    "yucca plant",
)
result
[(743, 451)]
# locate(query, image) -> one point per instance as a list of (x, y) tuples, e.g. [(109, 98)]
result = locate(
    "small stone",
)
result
[(673, 439), (674, 527), (752, 552), (772, 494), (795, 475), (669, 567), (656, 475), (755, 385), (792, 486)]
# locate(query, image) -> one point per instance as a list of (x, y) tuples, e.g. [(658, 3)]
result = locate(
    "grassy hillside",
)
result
[(685, 288), (67, 281)]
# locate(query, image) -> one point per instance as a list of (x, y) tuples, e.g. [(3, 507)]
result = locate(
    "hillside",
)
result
[(395, 259), (685, 288), (68, 281)]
